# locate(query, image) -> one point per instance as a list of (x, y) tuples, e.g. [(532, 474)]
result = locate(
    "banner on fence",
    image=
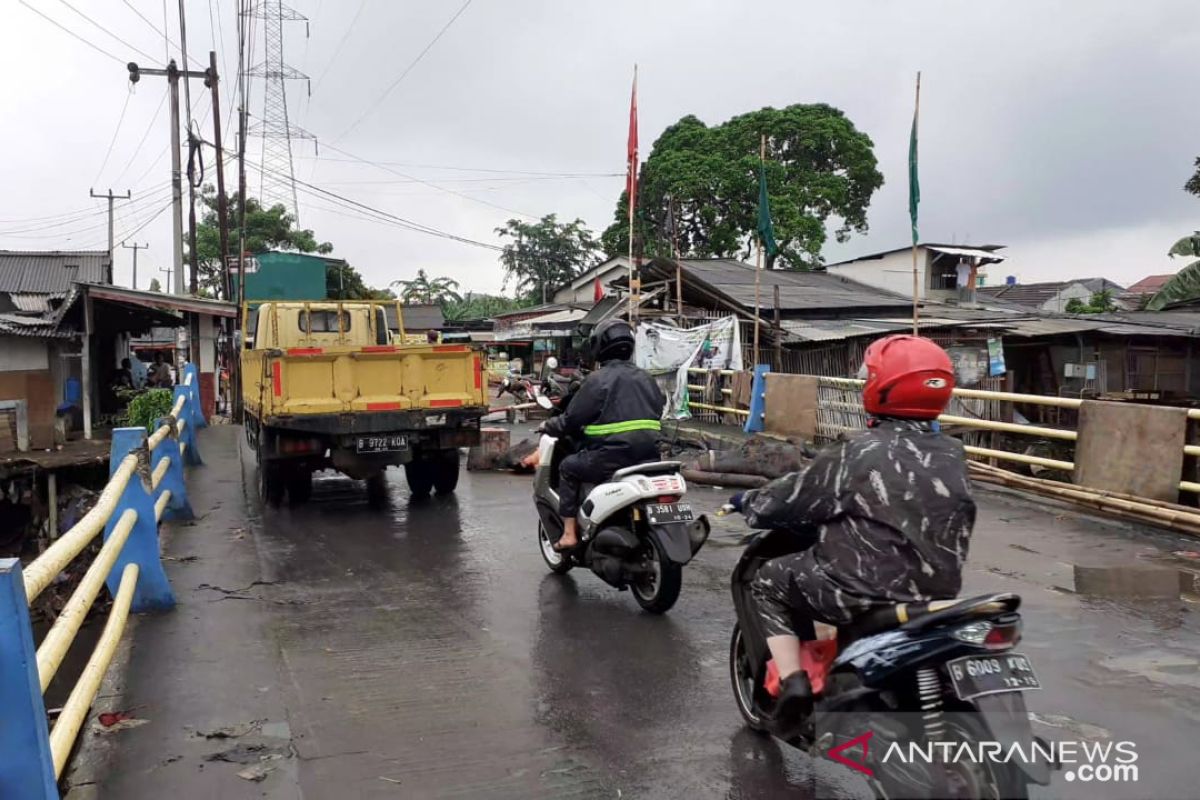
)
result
[(664, 349)]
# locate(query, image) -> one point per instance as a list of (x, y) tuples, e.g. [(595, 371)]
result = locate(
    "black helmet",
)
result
[(610, 341)]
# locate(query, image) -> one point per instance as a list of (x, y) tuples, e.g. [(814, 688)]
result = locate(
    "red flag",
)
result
[(597, 291), (631, 156)]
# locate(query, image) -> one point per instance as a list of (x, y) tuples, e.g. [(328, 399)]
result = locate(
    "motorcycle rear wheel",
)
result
[(659, 592), (558, 562)]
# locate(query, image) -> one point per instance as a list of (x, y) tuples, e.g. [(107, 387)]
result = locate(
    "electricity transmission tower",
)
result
[(277, 132)]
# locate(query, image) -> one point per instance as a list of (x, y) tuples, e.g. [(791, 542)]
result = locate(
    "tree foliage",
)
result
[(343, 282), (1099, 303), (1184, 287), (480, 306), (428, 291), (819, 167), (269, 229), (544, 256), (155, 286)]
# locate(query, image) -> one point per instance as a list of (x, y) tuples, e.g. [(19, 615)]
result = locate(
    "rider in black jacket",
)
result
[(617, 412), (889, 513)]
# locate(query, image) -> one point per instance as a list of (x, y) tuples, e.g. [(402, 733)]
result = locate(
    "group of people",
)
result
[(887, 514), (158, 376)]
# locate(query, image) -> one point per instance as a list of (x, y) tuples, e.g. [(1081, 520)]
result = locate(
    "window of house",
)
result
[(323, 321), (943, 272)]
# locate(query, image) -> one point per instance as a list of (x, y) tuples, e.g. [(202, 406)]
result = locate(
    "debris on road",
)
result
[(261, 770), (233, 731)]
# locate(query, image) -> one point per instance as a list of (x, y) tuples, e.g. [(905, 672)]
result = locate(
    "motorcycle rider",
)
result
[(617, 411), (889, 512)]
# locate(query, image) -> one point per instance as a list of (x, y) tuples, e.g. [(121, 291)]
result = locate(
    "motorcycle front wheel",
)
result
[(658, 591), (741, 675)]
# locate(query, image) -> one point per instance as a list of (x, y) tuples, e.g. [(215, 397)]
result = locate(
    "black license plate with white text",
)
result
[(387, 443), (975, 676), (666, 513)]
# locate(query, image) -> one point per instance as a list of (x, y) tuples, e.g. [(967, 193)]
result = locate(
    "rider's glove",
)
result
[(737, 501)]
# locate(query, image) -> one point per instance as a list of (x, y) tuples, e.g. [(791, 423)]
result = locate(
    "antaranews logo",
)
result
[(1080, 760)]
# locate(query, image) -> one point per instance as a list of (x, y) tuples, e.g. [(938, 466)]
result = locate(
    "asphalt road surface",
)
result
[(424, 650)]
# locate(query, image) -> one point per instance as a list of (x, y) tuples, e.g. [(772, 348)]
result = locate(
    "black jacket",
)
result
[(893, 513), (619, 392)]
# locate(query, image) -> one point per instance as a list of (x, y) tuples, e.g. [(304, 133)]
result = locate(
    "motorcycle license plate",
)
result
[(665, 513), (974, 676), (390, 443)]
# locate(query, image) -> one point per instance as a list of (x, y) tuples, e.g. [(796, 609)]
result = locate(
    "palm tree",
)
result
[(428, 291)]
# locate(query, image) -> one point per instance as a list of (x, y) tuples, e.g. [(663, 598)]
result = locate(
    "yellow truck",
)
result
[(327, 385)]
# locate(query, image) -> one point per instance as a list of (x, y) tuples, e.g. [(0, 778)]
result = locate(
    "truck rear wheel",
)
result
[(419, 474), (377, 493), (270, 482), (445, 471), (299, 487)]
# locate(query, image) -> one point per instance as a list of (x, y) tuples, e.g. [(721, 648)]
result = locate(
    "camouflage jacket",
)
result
[(892, 513)]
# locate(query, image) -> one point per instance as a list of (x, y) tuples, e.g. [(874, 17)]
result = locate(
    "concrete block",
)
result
[(791, 405), (1129, 448), (488, 454)]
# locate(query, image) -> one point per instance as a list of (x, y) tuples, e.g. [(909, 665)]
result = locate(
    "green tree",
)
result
[(1099, 303), (343, 282), (266, 229), (428, 291), (155, 286), (818, 166), (480, 306), (546, 255), (1184, 287)]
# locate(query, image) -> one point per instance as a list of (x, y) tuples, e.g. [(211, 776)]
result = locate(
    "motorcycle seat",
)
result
[(649, 468), (920, 616)]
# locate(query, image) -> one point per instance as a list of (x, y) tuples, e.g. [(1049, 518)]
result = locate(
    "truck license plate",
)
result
[(974, 676), (666, 513), (389, 443)]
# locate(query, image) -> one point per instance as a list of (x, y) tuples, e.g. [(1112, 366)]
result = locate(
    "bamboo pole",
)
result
[(1142, 511), (762, 158), (916, 297), (981, 467)]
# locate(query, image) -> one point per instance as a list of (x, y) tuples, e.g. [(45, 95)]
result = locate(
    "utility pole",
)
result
[(135, 247), (110, 197), (167, 270), (172, 73), (212, 82)]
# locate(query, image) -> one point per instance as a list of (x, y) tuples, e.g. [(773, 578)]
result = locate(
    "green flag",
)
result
[(766, 231), (914, 185)]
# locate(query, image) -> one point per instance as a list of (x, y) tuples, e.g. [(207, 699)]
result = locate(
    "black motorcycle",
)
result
[(910, 674)]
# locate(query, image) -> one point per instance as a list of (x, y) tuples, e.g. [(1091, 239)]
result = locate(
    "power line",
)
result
[(72, 33), (338, 50), (40, 231), (138, 229), (404, 74), (556, 174), (141, 142), (143, 53), (120, 119), (431, 184), (70, 217), (394, 219)]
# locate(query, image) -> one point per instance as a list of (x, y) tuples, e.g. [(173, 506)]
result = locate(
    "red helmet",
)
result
[(907, 377)]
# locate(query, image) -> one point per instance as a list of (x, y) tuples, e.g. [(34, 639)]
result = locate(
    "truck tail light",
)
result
[(277, 378)]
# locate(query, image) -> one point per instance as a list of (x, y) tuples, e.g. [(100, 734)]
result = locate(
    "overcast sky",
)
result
[(1063, 130)]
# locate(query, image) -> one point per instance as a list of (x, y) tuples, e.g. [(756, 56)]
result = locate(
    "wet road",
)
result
[(430, 643), (424, 650)]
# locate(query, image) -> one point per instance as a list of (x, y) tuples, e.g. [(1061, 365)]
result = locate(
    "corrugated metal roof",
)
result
[(798, 291), (38, 327), (972, 252), (558, 317), (31, 303), (50, 272)]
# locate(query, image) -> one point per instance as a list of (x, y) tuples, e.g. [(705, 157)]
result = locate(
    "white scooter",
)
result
[(634, 531)]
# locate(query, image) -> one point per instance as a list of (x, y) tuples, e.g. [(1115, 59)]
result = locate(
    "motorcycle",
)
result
[(521, 387), (912, 673), (634, 532)]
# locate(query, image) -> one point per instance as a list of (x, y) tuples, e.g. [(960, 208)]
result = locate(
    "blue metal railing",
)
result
[(146, 484)]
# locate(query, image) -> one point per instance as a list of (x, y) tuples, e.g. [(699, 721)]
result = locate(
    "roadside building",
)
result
[(945, 272)]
